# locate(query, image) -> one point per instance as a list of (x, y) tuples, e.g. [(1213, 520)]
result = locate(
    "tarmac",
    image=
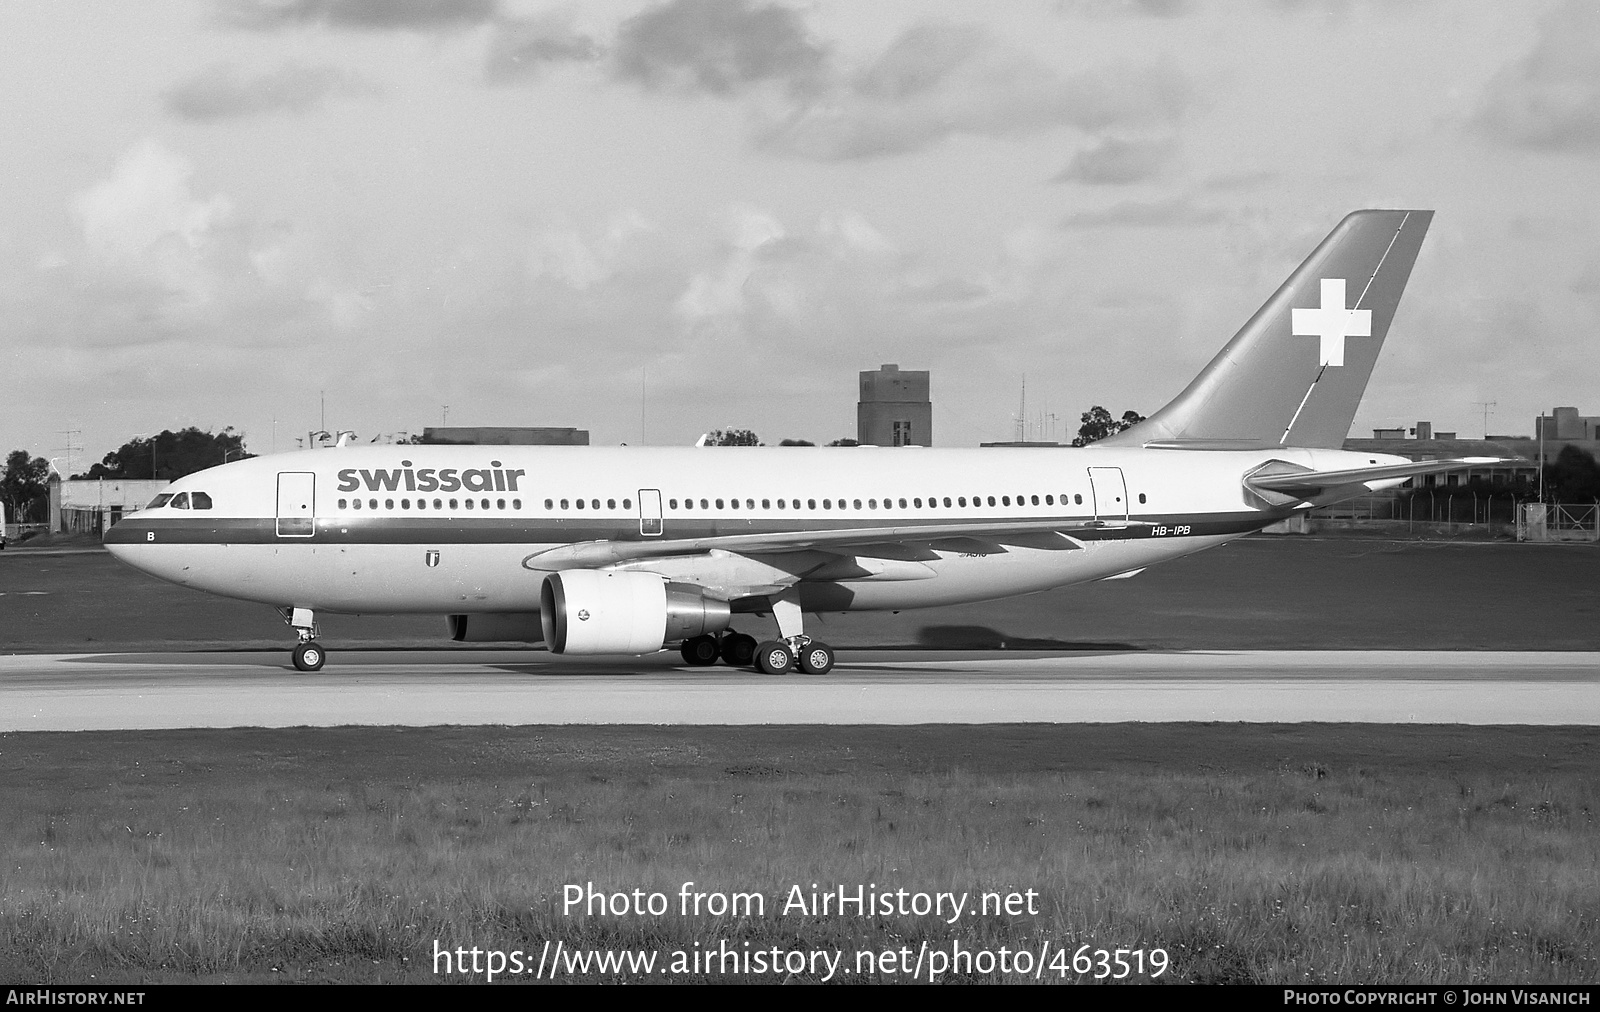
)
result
[(69, 692)]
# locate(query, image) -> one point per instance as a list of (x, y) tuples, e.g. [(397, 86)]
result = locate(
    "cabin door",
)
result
[(297, 498), (1110, 494), (650, 523)]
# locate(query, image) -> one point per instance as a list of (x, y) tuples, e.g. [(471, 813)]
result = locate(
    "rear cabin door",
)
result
[(297, 497), (650, 523), (1110, 494)]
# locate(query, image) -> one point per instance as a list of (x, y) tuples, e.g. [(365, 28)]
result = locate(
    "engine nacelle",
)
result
[(586, 611), (496, 627)]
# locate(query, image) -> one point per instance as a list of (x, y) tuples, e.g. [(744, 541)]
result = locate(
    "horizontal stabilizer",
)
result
[(1307, 484)]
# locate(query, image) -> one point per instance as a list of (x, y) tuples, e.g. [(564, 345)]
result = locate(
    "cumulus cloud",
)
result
[(359, 14), (1115, 160), (1550, 99), (521, 46), (938, 80), (146, 219), (716, 46), (219, 93), (1177, 212), (562, 253)]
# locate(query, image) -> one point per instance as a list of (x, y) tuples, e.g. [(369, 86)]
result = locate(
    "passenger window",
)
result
[(388, 504), (991, 500), (180, 501), (355, 503), (1036, 500), (766, 504), (516, 504), (719, 504), (705, 504), (611, 504), (672, 504), (549, 504), (405, 504), (827, 504), (917, 503), (962, 500), (947, 501), (453, 504), (422, 504), (627, 504), (733, 503), (595, 503), (780, 504), (1078, 499), (469, 504), (749, 504), (344, 503), (438, 504), (1049, 500), (811, 504), (563, 502), (1005, 500), (903, 503), (1141, 497), (499, 504), (202, 501), (372, 503)]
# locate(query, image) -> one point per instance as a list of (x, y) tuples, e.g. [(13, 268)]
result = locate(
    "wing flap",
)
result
[(592, 554)]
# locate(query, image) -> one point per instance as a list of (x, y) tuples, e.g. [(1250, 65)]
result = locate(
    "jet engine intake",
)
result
[(585, 611)]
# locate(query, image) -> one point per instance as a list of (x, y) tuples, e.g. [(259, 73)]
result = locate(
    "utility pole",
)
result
[(71, 447), (1486, 405)]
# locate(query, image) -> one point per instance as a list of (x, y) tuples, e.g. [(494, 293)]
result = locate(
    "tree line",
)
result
[(165, 456)]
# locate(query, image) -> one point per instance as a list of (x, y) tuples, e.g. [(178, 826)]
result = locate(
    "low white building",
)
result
[(91, 505)]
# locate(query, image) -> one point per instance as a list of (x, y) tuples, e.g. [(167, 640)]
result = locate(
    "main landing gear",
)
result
[(792, 649), (309, 655)]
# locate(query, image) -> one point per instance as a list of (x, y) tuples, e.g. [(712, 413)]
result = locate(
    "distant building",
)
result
[(506, 435), (894, 409), (1566, 424), (91, 505), (1424, 443)]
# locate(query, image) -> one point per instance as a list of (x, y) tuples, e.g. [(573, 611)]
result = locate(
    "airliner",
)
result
[(631, 550)]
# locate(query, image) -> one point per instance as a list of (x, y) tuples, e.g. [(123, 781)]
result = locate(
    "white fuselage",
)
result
[(452, 529)]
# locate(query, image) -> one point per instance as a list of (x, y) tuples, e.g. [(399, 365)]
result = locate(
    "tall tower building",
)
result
[(894, 409)]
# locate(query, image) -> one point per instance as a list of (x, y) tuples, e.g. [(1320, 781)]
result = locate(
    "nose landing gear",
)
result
[(308, 655)]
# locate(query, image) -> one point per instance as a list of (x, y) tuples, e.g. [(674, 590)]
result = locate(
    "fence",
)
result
[(1459, 513), (1558, 522)]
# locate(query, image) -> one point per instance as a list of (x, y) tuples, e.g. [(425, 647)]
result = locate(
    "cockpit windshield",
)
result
[(159, 501)]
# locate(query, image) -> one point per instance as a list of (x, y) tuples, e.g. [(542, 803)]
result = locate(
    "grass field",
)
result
[(1267, 854)]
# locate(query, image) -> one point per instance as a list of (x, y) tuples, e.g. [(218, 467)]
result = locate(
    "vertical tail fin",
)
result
[(1295, 373)]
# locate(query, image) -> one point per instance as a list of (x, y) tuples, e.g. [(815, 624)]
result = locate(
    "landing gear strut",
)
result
[(794, 647), (309, 655)]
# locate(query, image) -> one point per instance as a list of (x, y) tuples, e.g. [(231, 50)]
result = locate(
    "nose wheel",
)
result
[(309, 656)]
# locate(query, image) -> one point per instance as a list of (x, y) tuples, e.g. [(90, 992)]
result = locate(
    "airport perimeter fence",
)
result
[(1558, 522), (1459, 514)]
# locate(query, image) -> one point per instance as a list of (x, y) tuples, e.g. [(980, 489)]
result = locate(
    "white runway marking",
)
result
[(144, 691)]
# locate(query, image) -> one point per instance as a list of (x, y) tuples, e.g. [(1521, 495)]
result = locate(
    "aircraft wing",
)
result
[(1304, 484), (1034, 533)]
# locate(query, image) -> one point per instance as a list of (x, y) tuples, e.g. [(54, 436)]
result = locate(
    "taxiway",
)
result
[(66, 692)]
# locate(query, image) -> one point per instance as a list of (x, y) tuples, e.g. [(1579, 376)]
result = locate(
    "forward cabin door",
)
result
[(297, 498), (1110, 494), (650, 522)]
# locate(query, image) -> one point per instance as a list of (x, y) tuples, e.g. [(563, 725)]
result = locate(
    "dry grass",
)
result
[(1299, 873)]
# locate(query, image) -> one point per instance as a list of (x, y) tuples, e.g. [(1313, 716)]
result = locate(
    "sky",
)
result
[(652, 219)]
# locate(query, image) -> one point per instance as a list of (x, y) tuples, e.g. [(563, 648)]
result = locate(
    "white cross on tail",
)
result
[(1332, 322)]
